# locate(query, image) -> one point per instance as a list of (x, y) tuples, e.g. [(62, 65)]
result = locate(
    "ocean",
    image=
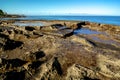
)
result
[(115, 20)]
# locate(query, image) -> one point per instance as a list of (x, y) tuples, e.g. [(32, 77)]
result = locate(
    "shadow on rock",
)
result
[(28, 28), (57, 25), (13, 62), (15, 75), (36, 64), (39, 54), (11, 44), (91, 42), (4, 36), (79, 25), (56, 65)]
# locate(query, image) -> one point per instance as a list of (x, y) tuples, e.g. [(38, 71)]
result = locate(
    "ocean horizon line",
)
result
[(70, 15), (114, 20)]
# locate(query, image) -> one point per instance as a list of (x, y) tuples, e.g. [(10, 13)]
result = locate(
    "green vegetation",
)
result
[(1, 13), (4, 14)]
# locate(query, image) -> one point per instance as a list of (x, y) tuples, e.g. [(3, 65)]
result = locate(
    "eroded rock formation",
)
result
[(53, 52)]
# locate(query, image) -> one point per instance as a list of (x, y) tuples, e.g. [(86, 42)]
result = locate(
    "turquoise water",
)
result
[(115, 20), (85, 31)]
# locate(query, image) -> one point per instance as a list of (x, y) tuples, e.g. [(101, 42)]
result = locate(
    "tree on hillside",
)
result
[(1, 12)]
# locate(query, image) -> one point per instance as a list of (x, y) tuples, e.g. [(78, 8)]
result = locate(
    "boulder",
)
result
[(77, 25)]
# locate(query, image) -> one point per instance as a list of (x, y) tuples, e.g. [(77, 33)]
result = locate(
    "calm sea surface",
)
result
[(115, 20)]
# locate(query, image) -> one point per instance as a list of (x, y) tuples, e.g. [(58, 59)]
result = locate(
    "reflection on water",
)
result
[(29, 24), (85, 31), (95, 36)]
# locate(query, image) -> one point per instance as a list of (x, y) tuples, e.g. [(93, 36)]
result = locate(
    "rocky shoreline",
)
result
[(52, 51), (5, 15)]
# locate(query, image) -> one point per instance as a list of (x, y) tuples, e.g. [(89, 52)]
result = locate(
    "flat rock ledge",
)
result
[(54, 52)]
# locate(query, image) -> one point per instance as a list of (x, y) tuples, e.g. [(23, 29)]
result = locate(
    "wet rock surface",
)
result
[(54, 52)]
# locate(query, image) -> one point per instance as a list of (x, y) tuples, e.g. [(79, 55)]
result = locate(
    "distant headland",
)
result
[(5, 15)]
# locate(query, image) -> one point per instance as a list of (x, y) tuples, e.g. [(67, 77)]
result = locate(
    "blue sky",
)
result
[(61, 7)]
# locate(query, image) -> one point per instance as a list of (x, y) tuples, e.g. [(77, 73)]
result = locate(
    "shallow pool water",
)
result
[(85, 31), (29, 24)]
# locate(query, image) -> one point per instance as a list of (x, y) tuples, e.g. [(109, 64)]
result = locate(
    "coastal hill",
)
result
[(1, 13), (5, 15)]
